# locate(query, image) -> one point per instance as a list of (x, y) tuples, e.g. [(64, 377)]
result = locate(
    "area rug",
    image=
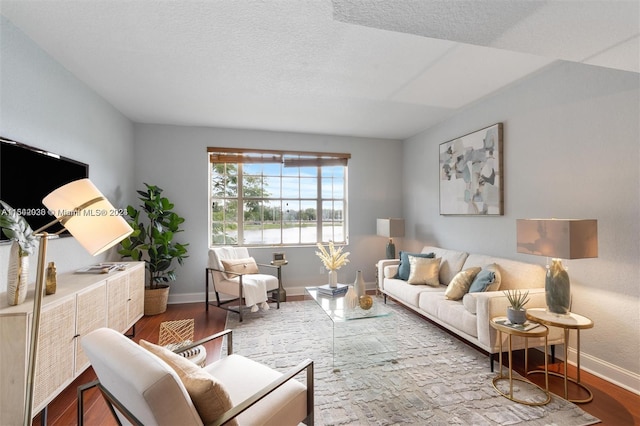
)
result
[(426, 376)]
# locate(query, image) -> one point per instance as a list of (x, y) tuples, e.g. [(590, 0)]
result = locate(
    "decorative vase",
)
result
[(333, 278), (557, 288), (359, 285), (51, 282), (351, 299), (17, 276), (366, 302), (516, 316)]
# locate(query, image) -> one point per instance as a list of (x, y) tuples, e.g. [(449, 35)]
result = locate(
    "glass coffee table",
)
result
[(359, 337)]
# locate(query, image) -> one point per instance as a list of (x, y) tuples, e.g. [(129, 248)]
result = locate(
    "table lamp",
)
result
[(90, 218), (390, 228), (558, 239)]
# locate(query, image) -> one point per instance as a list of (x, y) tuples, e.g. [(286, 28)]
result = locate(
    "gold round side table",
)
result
[(501, 325), (569, 321)]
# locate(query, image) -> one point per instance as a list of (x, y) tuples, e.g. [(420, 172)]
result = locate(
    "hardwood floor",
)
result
[(613, 405)]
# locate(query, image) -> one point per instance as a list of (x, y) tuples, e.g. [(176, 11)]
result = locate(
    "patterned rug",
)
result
[(394, 370)]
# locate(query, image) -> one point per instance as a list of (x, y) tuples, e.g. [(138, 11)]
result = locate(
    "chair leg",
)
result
[(80, 393), (240, 298)]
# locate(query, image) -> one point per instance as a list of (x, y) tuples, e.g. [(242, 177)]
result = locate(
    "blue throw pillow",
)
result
[(487, 277), (404, 268)]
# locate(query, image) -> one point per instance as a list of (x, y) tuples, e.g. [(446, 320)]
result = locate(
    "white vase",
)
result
[(359, 285), (17, 276), (333, 278), (351, 298)]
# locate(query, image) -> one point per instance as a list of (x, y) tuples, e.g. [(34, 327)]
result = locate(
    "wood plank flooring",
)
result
[(613, 405)]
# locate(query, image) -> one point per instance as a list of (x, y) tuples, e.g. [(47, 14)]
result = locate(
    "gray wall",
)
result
[(43, 105), (571, 150), (175, 159)]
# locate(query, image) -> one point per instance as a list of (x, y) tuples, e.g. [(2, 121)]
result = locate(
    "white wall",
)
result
[(43, 105), (571, 150), (175, 159)]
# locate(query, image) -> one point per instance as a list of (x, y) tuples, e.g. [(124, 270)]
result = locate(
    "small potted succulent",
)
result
[(516, 313)]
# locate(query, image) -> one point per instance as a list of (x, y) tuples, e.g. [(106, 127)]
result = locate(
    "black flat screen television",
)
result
[(29, 174)]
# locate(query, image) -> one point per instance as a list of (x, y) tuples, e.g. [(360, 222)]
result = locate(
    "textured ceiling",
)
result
[(346, 67)]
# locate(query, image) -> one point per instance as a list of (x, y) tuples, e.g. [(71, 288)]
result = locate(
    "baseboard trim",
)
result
[(605, 370)]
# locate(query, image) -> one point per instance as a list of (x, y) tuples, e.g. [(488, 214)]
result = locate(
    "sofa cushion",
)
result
[(488, 279), (452, 262), (404, 268), (450, 312), (244, 377), (407, 293), (459, 285), (208, 395), (424, 271)]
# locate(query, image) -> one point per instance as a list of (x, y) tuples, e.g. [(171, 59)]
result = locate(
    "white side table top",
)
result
[(569, 320)]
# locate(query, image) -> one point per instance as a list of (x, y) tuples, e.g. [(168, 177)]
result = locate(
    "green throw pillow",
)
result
[(404, 268)]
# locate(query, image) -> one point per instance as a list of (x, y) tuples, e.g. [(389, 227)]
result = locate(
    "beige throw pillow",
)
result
[(208, 395), (424, 270), (459, 285), (241, 266)]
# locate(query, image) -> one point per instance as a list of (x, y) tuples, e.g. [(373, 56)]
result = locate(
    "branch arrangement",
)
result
[(333, 259)]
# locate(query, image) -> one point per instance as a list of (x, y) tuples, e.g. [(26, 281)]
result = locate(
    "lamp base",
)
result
[(391, 250), (557, 288)]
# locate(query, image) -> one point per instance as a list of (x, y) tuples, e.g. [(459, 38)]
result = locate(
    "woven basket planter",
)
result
[(155, 300)]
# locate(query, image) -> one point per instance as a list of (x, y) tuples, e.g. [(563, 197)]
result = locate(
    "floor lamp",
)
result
[(82, 210)]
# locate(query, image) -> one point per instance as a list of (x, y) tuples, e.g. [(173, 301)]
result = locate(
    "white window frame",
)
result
[(285, 159)]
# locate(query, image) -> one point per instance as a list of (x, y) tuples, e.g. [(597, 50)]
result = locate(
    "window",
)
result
[(264, 197)]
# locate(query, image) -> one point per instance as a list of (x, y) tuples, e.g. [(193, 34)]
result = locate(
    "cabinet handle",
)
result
[(76, 336)]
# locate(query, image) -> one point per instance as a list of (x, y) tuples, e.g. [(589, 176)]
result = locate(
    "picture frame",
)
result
[(471, 174)]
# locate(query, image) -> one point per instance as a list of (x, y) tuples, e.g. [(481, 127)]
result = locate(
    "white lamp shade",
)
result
[(87, 215), (559, 238), (390, 228)]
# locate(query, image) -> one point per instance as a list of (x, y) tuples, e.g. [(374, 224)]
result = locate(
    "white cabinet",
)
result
[(82, 303)]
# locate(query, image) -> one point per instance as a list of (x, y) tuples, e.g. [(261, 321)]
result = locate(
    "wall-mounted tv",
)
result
[(28, 174)]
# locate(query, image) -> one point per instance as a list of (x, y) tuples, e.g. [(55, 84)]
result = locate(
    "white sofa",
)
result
[(469, 317)]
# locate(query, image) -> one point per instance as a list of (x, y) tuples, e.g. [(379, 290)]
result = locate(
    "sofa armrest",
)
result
[(492, 304), (383, 264)]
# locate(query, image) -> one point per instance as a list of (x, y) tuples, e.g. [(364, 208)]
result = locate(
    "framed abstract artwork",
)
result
[(471, 176)]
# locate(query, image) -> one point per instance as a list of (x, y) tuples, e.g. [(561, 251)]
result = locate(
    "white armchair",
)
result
[(235, 273), (154, 386)]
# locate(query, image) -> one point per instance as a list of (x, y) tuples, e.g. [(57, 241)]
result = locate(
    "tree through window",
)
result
[(265, 197)]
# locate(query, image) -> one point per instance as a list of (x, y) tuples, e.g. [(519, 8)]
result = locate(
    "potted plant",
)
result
[(516, 313), (16, 229), (152, 240), (333, 259)]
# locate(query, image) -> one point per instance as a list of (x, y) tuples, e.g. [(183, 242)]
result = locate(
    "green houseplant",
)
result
[(516, 313), (155, 226), (16, 229)]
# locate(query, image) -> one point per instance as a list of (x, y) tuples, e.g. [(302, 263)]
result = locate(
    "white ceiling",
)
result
[(369, 68)]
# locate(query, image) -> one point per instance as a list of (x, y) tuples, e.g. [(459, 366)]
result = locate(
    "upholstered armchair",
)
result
[(235, 273), (152, 385)]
